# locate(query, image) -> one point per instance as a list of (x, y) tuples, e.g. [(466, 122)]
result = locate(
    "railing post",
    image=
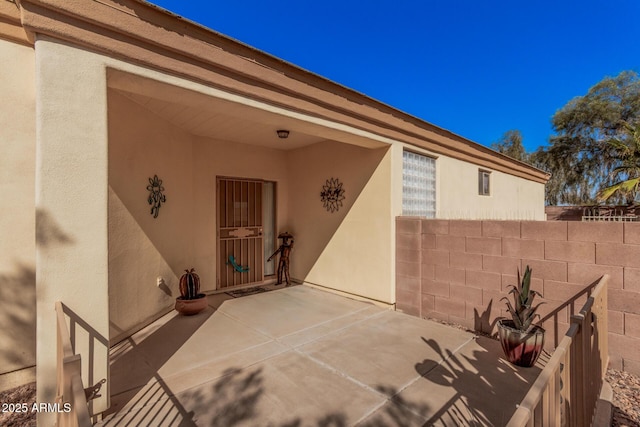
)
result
[(565, 389), (577, 373), (602, 323), (594, 368), (554, 397), (81, 413), (69, 388), (59, 360)]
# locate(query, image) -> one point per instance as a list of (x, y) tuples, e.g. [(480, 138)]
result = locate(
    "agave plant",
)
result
[(523, 312)]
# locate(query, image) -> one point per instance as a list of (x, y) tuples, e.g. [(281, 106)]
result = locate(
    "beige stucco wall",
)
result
[(349, 250), (142, 248), (17, 210), (457, 193), (71, 199)]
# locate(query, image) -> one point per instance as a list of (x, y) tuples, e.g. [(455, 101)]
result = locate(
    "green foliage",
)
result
[(510, 144), (628, 171), (594, 147), (523, 312)]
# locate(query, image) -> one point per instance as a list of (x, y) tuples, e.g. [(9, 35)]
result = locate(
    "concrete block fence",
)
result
[(458, 270)]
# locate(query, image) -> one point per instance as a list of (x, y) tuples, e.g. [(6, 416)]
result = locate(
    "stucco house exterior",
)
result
[(99, 97)]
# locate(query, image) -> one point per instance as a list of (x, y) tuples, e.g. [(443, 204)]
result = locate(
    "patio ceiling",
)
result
[(222, 119)]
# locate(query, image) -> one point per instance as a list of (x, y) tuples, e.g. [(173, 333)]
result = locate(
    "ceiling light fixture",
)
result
[(284, 134)]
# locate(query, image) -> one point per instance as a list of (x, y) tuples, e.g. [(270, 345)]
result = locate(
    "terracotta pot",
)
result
[(520, 348), (189, 307)]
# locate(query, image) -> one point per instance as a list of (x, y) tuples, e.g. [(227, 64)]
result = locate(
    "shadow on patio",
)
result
[(475, 387), (136, 360), (303, 357)]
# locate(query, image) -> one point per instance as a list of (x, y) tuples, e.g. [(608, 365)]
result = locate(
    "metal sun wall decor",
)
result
[(332, 195), (156, 198)]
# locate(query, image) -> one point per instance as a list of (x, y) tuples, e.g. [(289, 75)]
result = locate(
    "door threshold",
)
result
[(267, 282)]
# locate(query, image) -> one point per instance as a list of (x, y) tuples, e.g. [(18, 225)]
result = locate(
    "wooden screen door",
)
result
[(240, 240)]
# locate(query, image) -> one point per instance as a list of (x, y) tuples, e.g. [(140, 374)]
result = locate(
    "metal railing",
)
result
[(607, 214), (567, 390), (70, 394)]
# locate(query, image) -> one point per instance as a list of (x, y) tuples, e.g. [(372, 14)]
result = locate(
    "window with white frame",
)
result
[(418, 185), (484, 182)]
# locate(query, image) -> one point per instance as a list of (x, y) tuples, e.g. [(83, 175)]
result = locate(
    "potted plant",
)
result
[(521, 339), (191, 300)]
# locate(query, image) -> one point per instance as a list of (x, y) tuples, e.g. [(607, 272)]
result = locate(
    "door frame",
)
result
[(219, 265)]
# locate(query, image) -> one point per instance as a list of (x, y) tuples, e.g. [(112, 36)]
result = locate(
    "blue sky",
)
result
[(476, 68)]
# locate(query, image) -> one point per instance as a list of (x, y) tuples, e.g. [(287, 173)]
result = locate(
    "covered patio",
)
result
[(231, 186), (301, 356)]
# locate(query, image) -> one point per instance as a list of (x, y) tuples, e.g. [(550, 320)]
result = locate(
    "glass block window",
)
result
[(418, 185)]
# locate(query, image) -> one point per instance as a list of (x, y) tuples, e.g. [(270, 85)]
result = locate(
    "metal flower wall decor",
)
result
[(156, 198), (332, 195)]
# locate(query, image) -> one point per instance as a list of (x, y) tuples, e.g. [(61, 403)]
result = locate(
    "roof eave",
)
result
[(140, 32)]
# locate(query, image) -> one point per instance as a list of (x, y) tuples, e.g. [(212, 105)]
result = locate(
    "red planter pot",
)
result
[(520, 348), (189, 307)]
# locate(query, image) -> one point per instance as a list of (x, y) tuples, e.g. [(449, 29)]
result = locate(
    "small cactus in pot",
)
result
[(521, 339), (190, 285), (191, 300)]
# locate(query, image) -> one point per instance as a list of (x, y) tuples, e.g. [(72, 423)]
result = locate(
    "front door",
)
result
[(240, 233)]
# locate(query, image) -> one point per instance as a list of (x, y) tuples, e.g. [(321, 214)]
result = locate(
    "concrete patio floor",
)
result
[(300, 356)]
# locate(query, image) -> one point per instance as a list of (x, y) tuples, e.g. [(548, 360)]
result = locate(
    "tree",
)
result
[(510, 144), (593, 145), (555, 190), (628, 171)]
